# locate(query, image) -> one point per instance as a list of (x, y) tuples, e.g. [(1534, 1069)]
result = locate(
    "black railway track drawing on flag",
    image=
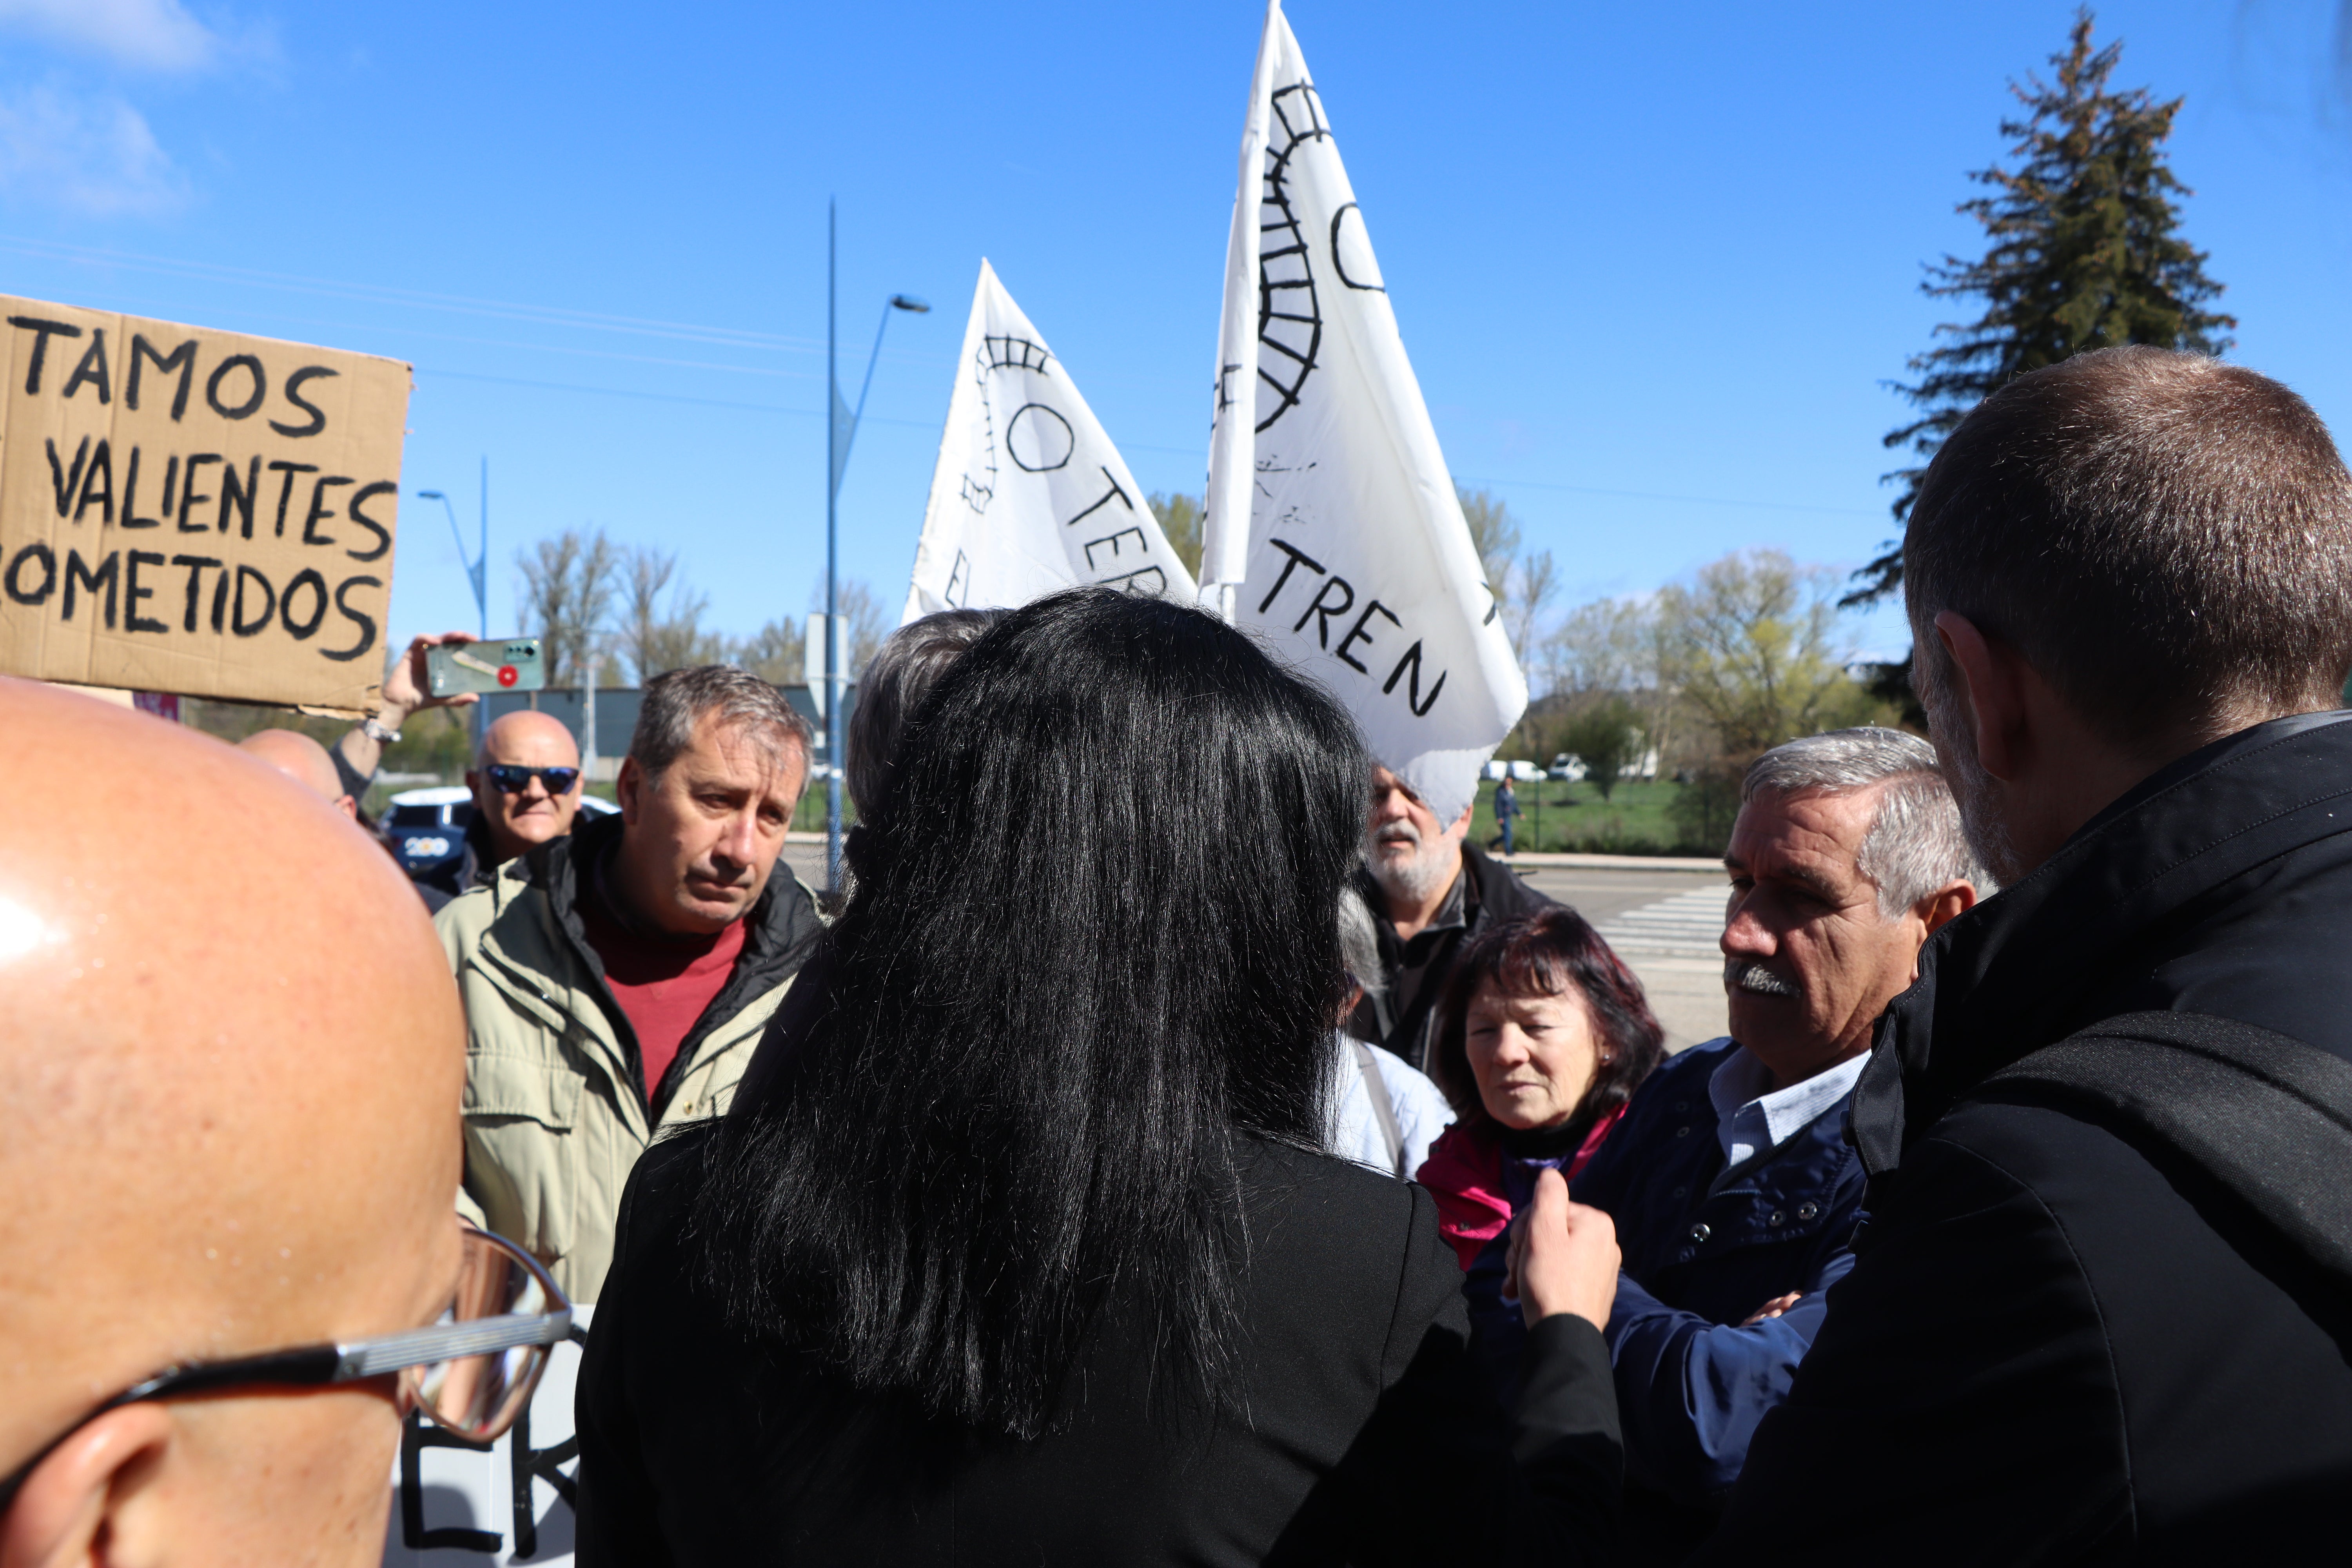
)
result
[(995, 354), (1289, 315)]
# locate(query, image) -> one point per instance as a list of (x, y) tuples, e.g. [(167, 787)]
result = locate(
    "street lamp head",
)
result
[(909, 303), (430, 495)]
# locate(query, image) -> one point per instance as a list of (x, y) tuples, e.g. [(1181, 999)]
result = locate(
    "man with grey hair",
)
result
[(1734, 1191), (1433, 892), (2103, 1308), (618, 980)]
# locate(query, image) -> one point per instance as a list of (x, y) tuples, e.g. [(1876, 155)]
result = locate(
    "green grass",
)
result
[(1633, 820)]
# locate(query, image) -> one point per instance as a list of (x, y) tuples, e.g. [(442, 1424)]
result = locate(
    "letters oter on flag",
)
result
[(1332, 526), (195, 512), (1029, 495)]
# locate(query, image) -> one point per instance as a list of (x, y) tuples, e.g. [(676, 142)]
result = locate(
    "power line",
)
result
[(423, 372), (733, 337), (1689, 501)]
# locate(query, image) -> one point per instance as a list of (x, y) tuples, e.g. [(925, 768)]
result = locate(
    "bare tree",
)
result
[(863, 626), (773, 652), (1534, 583), (567, 592), (1494, 534), (656, 637)]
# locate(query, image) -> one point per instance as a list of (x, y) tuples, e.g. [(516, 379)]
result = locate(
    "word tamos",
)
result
[(195, 511)]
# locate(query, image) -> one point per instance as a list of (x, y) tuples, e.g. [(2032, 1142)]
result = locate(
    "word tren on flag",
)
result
[(1333, 529)]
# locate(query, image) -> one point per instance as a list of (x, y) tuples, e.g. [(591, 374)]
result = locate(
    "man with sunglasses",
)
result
[(228, 1260), (526, 785)]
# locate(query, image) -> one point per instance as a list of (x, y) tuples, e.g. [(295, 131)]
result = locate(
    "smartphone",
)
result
[(511, 666)]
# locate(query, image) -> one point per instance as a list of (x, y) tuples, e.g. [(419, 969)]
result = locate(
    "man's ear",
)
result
[(1991, 693), (1944, 905), (61, 1512), (1460, 826), (625, 786)]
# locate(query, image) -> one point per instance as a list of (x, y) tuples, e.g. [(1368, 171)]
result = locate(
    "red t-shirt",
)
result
[(664, 984)]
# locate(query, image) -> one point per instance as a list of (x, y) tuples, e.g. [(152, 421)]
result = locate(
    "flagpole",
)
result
[(832, 560)]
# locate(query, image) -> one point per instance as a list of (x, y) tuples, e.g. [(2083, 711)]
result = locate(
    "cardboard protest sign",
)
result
[(1029, 494), (191, 511), (1332, 526)]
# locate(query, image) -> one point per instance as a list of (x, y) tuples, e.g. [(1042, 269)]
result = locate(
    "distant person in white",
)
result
[(1383, 1114)]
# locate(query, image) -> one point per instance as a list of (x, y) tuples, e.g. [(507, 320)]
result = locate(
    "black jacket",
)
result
[(2057, 1343), (1405, 1019), (1370, 1437), (780, 931)]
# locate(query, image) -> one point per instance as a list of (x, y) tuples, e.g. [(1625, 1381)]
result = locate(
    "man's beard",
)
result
[(1417, 878), (1973, 789)]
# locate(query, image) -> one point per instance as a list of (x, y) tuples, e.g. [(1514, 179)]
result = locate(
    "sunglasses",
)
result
[(511, 779), (473, 1371)]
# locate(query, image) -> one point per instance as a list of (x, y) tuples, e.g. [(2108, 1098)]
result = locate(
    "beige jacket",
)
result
[(555, 1120)]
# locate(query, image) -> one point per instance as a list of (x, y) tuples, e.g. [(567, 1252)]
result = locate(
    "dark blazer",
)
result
[(2057, 1345), (1369, 1436)]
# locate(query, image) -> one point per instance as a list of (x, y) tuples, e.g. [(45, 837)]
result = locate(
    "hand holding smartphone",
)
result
[(514, 665)]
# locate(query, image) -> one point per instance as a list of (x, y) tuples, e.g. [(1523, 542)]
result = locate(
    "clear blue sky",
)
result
[(1653, 265)]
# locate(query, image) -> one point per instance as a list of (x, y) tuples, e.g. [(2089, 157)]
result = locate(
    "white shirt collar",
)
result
[(1750, 1116)]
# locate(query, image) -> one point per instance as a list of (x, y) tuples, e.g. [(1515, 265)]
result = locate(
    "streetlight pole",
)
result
[(476, 569), (840, 432)]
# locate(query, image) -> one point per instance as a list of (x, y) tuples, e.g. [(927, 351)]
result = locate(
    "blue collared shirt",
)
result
[(1702, 1254), (1751, 1116)]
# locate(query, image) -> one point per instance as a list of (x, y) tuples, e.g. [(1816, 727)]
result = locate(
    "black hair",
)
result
[(1093, 941)]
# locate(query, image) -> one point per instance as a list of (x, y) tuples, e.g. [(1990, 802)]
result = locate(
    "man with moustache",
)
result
[(2101, 1310), (1734, 1193), (618, 980), (1435, 890)]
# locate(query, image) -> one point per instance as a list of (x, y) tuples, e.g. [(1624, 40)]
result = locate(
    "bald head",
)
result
[(232, 1128), (539, 740), (304, 761), (517, 820)]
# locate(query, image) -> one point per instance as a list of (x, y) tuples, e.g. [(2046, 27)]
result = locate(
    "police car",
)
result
[(425, 829)]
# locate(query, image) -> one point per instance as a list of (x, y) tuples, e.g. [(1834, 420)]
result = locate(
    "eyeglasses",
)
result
[(511, 778), (472, 1371)]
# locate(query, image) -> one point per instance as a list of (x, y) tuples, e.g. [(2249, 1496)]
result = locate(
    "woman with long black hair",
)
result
[(1030, 1253)]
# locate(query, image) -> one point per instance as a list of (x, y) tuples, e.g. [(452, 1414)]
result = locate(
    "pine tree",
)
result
[(2084, 254)]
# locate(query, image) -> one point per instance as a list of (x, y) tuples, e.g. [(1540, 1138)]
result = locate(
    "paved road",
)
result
[(1664, 922)]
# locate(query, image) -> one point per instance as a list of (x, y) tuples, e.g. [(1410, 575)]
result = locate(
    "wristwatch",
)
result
[(377, 732)]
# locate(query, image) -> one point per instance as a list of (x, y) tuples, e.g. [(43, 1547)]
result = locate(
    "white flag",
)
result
[(1333, 529), (1029, 495)]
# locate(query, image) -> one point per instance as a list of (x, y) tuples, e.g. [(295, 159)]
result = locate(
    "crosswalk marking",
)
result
[(1683, 925)]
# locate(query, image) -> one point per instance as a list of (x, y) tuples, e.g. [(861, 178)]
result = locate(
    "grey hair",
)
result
[(896, 679), (676, 701), (1915, 844), (1359, 942)]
